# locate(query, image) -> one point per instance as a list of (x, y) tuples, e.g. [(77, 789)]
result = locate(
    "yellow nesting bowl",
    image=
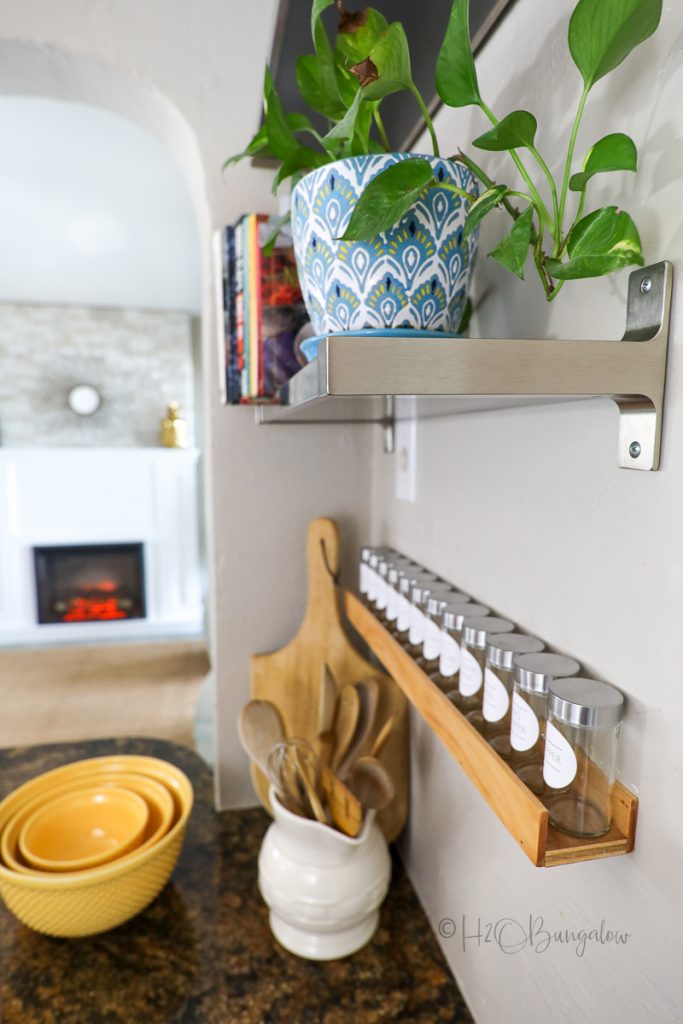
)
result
[(157, 797), (82, 829), (86, 902)]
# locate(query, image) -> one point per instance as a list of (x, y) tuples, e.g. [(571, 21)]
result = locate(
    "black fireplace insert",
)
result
[(90, 582)]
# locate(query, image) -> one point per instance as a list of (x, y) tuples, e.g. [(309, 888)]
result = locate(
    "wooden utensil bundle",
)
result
[(332, 783), (294, 680)]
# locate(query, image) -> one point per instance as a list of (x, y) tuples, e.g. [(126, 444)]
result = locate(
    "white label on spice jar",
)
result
[(364, 582), (432, 641), (470, 674), (403, 617), (449, 662), (524, 727), (559, 761), (417, 625), (496, 698), (392, 603), (373, 579), (381, 593)]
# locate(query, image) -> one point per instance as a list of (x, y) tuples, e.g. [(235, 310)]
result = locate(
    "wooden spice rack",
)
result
[(522, 813)]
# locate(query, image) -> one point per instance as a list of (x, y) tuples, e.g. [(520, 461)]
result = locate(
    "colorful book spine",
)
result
[(229, 295), (254, 287), (262, 310), (239, 305)]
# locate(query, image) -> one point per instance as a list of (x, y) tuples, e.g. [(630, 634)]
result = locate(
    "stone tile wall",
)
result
[(139, 360)]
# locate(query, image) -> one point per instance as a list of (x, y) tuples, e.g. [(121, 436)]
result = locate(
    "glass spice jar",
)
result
[(435, 607), (453, 617), (475, 633), (364, 573), (580, 758), (385, 563), (493, 719), (405, 608), (372, 575), (532, 675), (418, 620), (396, 570)]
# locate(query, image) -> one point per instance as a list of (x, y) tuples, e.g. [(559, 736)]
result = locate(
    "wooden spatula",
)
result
[(345, 722), (345, 809), (368, 696), (327, 707)]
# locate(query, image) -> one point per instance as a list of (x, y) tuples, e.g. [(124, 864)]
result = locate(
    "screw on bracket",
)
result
[(646, 285), (634, 449)]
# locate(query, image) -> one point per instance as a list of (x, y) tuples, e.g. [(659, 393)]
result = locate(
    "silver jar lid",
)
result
[(455, 614), (375, 555), (502, 649), (387, 562), (477, 628), (423, 588), (397, 571), (585, 702), (436, 603), (412, 579), (534, 672)]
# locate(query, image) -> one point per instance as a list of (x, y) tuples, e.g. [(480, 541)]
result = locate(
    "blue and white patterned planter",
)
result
[(416, 275)]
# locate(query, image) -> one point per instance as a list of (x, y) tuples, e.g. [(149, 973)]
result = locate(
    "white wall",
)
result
[(527, 510), (191, 73), (94, 211)]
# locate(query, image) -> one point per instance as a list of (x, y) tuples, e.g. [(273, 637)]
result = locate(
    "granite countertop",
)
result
[(202, 953)]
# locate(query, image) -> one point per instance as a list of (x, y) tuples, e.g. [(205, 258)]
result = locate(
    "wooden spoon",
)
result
[(368, 695), (371, 783), (345, 722), (327, 707), (260, 727), (383, 735)]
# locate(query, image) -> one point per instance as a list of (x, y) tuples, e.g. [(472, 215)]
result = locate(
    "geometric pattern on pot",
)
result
[(416, 275)]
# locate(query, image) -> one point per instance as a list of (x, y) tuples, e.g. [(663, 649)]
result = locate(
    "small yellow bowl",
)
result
[(157, 797), (80, 830), (87, 902)]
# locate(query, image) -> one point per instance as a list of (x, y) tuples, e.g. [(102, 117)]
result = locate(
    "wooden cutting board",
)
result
[(291, 677)]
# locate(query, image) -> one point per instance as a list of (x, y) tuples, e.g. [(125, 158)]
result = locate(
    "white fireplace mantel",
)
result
[(54, 496)]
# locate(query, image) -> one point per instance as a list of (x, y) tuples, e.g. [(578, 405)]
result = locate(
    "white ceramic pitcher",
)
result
[(322, 888)]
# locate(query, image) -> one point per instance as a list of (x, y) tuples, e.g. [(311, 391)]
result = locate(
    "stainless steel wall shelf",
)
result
[(380, 379)]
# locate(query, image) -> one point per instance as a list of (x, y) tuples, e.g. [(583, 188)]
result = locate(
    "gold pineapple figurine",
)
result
[(174, 428)]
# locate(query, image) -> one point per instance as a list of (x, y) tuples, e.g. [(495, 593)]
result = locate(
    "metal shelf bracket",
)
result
[(358, 379)]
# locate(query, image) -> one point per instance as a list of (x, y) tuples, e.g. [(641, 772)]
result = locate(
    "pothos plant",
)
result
[(347, 83)]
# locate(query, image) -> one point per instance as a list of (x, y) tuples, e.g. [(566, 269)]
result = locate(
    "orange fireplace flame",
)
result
[(95, 605)]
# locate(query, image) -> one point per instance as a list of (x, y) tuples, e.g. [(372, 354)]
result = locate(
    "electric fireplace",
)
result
[(90, 582)]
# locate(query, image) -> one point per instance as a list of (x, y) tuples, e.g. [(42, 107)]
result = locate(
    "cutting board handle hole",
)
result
[(334, 576)]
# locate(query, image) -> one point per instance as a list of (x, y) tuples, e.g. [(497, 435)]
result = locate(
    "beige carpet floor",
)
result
[(49, 695)]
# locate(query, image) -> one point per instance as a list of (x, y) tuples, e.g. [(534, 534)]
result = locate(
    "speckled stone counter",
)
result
[(202, 953)]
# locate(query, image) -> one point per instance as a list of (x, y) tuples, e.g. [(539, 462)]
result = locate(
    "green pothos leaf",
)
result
[(388, 197), (513, 249), (516, 130), (456, 77), (486, 202), (615, 152), (605, 240)]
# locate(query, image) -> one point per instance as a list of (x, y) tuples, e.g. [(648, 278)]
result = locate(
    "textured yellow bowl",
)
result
[(157, 797), (86, 902), (82, 829)]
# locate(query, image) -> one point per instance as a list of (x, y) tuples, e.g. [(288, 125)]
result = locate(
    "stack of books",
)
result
[(262, 310)]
